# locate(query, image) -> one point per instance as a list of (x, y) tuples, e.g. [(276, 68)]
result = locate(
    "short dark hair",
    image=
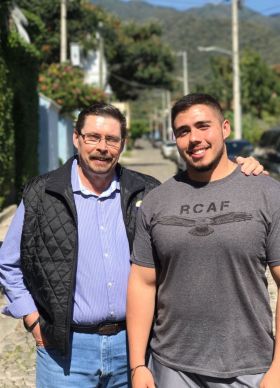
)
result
[(101, 109), (186, 102)]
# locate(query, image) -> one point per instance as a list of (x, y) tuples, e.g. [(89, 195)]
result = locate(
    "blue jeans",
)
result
[(95, 361)]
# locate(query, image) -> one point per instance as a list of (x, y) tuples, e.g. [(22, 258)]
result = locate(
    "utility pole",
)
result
[(168, 103), (63, 31), (185, 71), (236, 72), (101, 55), (163, 116)]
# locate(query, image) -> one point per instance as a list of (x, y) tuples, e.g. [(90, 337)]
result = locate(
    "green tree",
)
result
[(18, 107), (135, 53), (220, 85), (139, 59), (138, 128), (260, 85), (44, 25)]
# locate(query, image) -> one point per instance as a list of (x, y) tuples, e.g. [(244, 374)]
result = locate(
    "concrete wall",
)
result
[(55, 137), (65, 138)]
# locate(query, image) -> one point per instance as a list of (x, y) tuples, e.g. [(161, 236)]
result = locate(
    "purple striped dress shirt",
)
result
[(103, 258)]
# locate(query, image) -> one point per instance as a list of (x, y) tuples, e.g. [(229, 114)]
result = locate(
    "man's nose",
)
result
[(195, 136), (102, 144)]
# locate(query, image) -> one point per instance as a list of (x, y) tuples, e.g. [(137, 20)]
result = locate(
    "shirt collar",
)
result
[(78, 187)]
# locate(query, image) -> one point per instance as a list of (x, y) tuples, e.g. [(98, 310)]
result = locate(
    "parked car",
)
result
[(167, 147), (240, 147), (268, 151), (178, 160), (156, 143), (267, 143)]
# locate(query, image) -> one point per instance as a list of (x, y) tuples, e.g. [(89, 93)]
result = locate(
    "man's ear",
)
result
[(226, 129), (122, 144), (75, 138)]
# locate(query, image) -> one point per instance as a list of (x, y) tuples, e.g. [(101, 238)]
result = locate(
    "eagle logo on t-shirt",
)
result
[(201, 225)]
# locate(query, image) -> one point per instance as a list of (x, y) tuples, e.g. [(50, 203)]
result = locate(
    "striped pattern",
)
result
[(103, 258), (103, 255)]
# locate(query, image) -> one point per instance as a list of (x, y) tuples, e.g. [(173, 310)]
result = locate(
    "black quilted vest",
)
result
[(49, 243)]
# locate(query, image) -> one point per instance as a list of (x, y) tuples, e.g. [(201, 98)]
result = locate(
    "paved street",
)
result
[(148, 160), (17, 350)]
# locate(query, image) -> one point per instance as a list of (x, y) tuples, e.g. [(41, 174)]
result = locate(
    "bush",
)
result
[(252, 126), (7, 167), (64, 84), (18, 108), (23, 65)]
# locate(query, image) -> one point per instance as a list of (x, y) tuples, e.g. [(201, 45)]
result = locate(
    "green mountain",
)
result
[(209, 25)]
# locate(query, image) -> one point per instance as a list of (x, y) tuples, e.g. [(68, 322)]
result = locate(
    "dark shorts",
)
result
[(166, 377)]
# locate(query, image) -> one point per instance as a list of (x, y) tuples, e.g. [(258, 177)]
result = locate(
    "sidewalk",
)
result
[(17, 347)]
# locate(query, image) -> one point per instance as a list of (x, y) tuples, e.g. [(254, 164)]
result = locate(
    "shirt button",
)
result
[(112, 313), (106, 254), (110, 284), (102, 227)]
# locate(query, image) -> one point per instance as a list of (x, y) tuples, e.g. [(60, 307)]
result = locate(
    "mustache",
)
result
[(99, 157)]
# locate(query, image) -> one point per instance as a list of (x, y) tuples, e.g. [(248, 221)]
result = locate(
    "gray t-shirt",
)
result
[(210, 244)]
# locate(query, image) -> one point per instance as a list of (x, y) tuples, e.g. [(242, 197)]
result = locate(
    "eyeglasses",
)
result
[(95, 138)]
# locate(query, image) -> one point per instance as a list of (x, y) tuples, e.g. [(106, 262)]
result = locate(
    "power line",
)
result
[(270, 8), (134, 84)]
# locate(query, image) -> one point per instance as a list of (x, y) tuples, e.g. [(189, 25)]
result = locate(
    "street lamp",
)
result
[(215, 48), (183, 54)]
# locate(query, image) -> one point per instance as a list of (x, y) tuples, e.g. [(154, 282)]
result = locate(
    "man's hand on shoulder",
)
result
[(250, 166), (142, 378)]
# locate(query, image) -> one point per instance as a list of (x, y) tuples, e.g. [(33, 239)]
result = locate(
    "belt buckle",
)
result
[(109, 329)]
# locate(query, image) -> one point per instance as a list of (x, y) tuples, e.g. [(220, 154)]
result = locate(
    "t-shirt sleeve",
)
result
[(273, 241), (142, 253)]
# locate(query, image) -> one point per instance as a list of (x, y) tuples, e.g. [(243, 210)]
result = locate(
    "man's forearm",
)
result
[(30, 319), (276, 356), (272, 377), (140, 313)]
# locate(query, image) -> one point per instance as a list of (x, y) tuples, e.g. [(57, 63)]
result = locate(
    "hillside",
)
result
[(205, 26)]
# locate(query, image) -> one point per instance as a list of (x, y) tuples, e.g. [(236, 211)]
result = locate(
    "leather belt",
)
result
[(102, 328)]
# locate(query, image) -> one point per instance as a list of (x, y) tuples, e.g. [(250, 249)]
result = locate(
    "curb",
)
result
[(7, 212)]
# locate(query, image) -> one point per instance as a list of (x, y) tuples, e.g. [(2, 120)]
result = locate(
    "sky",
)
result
[(266, 7)]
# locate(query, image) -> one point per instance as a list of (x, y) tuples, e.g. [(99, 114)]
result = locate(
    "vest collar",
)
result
[(60, 179), (129, 179)]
